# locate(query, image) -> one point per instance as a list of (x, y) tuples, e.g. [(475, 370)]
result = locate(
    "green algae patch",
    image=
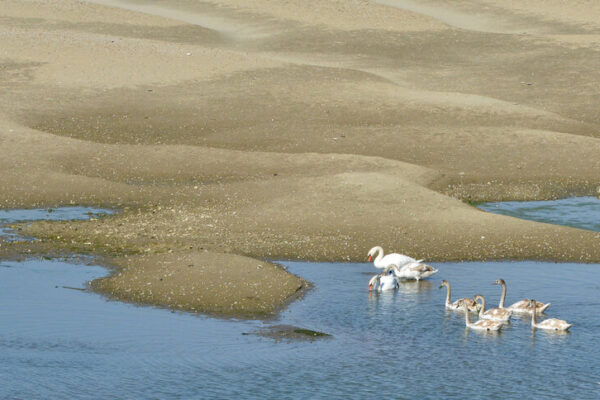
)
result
[(308, 332), (290, 333)]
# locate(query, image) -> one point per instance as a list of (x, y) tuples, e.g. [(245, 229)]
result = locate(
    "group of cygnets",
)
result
[(396, 267)]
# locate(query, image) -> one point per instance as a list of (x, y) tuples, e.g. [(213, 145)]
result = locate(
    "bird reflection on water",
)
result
[(406, 296)]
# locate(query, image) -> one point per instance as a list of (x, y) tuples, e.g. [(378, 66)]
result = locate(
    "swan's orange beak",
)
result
[(370, 288), (369, 259)]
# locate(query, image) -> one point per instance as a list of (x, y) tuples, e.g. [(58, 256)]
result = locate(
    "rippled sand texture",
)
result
[(312, 130)]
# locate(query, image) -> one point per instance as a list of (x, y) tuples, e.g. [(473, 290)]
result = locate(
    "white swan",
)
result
[(457, 305), (382, 261), (521, 306), (550, 324), (384, 281), (494, 314), (482, 324), (415, 270)]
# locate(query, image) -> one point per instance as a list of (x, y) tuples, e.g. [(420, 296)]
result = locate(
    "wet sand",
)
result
[(228, 133)]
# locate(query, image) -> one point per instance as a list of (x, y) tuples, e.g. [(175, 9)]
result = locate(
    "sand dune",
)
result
[(235, 130)]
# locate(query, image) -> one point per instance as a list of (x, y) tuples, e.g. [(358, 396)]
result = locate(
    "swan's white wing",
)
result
[(409, 270), (410, 265), (398, 260)]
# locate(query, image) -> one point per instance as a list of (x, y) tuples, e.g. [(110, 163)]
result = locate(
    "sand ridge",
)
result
[(313, 132)]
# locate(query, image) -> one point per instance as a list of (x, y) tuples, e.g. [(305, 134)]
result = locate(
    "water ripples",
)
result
[(577, 212), (77, 345)]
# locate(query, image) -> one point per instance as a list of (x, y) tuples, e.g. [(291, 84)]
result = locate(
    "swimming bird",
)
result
[(384, 281), (415, 270), (521, 306), (382, 261), (472, 305), (550, 324), (482, 324), (493, 314)]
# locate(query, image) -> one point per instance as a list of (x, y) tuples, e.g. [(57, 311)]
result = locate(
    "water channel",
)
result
[(60, 342)]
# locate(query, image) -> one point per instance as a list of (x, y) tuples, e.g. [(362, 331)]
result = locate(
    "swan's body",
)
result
[(415, 270), (382, 261), (384, 281), (521, 306), (471, 304), (550, 324), (482, 324), (494, 314)]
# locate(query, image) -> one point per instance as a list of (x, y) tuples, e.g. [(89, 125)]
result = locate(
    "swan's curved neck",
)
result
[(533, 316), (482, 309), (503, 296), (374, 282), (379, 252), (467, 319), (447, 294)]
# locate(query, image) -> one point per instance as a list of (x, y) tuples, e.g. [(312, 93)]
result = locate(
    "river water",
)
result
[(48, 214), (577, 212), (60, 342)]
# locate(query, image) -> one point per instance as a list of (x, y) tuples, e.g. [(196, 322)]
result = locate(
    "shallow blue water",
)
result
[(578, 212), (51, 214), (48, 214), (57, 342), (73, 344)]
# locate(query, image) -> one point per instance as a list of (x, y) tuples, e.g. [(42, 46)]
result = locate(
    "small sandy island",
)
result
[(229, 132)]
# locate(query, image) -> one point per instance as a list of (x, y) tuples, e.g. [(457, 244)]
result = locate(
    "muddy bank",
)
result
[(206, 282), (273, 130)]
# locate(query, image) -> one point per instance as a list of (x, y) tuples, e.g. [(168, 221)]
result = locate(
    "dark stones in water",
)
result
[(290, 332), (308, 332), (73, 288)]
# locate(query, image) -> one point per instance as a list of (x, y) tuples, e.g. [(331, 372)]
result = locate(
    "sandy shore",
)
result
[(229, 132)]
